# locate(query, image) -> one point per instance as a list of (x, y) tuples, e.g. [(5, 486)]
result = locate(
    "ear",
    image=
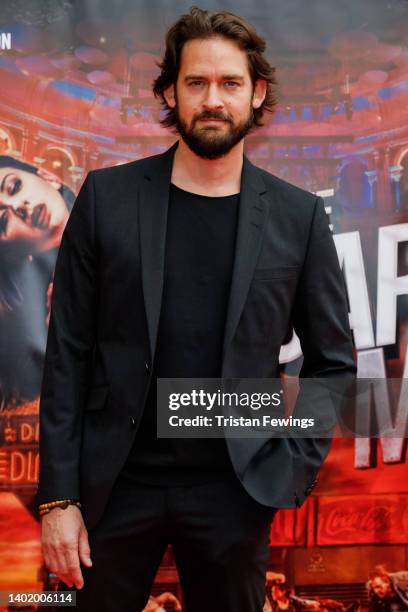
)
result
[(169, 96), (50, 177), (259, 93)]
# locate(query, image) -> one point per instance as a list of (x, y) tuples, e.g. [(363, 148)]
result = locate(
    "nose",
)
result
[(213, 99), (21, 209)]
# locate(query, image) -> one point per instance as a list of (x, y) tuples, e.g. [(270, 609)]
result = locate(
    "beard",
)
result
[(210, 142)]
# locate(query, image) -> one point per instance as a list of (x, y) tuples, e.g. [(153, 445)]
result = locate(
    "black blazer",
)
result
[(105, 314)]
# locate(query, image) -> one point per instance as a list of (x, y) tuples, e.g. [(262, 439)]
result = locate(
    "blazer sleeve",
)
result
[(69, 349), (320, 315), (321, 321)]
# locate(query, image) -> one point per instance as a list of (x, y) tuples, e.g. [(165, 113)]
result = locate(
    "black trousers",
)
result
[(219, 537)]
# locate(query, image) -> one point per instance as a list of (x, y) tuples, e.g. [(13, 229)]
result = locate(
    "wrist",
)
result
[(60, 503)]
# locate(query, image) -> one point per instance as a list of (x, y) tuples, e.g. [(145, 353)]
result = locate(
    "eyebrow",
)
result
[(3, 181), (228, 77)]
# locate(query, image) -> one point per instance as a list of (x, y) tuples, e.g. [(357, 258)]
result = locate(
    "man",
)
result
[(387, 591), (192, 263)]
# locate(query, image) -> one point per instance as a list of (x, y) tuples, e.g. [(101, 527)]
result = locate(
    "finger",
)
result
[(45, 555), (84, 548), (61, 562), (72, 563), (65, 579), (53, 565)]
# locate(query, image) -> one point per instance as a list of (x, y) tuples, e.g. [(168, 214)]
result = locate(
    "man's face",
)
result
[(380, 586), (214, 96)]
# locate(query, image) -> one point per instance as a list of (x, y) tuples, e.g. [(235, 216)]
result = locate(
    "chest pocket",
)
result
[(275, 273), (266, 315)]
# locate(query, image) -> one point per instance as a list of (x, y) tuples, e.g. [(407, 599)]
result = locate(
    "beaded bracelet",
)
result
[(62, 503)]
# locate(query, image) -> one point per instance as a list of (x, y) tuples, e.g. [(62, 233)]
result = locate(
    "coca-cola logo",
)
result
[(377, 519)]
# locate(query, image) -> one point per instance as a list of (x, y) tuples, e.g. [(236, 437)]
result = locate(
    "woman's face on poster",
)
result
[(32, 210)]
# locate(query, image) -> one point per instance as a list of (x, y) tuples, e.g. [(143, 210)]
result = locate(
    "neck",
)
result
[(214, 177)]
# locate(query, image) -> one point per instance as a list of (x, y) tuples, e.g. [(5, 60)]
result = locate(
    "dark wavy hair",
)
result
[(202, 24), (10, 287), (23, 287)]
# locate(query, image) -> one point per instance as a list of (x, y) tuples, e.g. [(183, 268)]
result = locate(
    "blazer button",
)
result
[(133, 422), (147, 366)]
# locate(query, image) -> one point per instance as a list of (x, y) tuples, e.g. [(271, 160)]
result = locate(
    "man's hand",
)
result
[(168, 597), (64, 541), (157, 603)]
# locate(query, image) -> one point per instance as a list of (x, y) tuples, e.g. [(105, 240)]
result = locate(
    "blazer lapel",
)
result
[(253, 212), (153, 199)]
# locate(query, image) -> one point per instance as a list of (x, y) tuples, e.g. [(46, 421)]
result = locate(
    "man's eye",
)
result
[(231, 83), (196, 82)]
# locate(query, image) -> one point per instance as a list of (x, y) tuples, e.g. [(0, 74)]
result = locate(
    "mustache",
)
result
[(211, 115)]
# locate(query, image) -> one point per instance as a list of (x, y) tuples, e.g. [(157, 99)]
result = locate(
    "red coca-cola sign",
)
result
[(367, 519)]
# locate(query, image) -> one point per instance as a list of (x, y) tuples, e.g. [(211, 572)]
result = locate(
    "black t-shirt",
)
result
[(199, 255)]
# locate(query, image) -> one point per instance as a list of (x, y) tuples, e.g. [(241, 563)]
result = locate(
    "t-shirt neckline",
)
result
[(200, 195)]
